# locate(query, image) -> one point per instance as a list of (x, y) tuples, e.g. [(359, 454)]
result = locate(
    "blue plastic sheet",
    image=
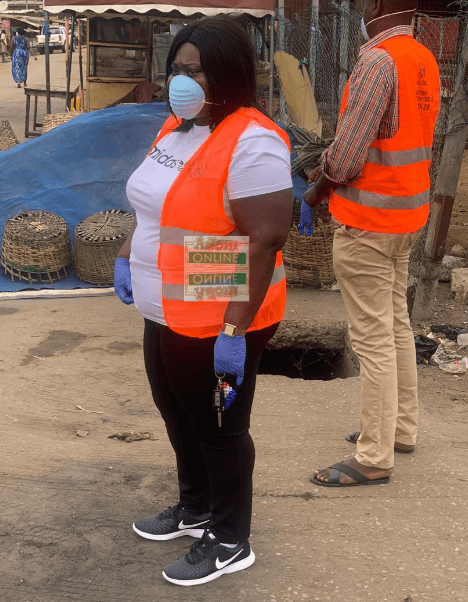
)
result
[(77, 169)]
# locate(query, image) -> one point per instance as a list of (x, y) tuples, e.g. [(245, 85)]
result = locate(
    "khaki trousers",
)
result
[(372, 272)]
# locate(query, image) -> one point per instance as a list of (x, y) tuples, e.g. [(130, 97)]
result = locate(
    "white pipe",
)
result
[(344, 44), (313, 39), (272, 65), (281, 8), (281, 46)]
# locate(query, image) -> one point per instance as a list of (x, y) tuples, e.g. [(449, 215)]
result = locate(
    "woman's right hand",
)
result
[(123, 280)]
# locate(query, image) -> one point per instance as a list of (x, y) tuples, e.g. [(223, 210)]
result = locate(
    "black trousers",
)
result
[(215, 465)]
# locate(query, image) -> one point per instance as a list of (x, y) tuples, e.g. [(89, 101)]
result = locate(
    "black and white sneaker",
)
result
[(208, 559), (171, 523)]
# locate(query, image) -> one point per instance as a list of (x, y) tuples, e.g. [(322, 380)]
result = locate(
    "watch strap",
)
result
[(232, 331)]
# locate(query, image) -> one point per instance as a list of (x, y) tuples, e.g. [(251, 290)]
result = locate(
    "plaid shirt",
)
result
[(371, 112)]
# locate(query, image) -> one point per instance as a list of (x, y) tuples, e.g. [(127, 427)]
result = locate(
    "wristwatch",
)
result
[(232, 331)]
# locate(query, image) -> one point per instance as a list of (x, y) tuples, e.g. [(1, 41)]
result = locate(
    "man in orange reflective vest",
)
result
[(376, 176)]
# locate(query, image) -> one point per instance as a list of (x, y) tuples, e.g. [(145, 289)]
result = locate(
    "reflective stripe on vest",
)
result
[(176, 236), (175, 292), (399, 158), (392, 192), (382, 201), (194, 206)]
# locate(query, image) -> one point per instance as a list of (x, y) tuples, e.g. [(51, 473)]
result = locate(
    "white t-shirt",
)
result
[(260, 164)]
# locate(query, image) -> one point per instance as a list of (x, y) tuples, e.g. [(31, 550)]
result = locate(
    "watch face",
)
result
[(229, 329)]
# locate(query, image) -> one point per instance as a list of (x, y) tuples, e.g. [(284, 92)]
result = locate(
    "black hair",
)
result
[(21, 31), (228, 61)]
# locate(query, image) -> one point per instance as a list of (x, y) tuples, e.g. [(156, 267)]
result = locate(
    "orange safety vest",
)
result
[(392, 192), (193, 206)]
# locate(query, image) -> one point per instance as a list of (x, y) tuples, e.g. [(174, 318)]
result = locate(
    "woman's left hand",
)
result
[(229, 356)]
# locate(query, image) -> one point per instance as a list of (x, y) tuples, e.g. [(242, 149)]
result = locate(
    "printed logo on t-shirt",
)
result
[(160, 156), (198, 168)]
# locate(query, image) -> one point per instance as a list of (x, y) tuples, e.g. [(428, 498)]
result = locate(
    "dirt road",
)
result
[(68, 501)]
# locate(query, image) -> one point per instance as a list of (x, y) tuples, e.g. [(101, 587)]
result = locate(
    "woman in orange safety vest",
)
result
[(213, 201)]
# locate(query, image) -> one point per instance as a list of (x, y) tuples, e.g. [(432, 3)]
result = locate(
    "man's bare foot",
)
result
[(323, 474)]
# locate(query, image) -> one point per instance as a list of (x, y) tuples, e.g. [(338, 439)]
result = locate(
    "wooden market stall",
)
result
[(128, 43)]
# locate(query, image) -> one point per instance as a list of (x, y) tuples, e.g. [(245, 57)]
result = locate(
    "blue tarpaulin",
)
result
[(77, 169)]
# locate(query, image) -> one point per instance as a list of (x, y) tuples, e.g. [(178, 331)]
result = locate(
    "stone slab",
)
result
[(459, 285), (448, 264)]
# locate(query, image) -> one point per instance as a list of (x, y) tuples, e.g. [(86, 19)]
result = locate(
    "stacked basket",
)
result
[(98, 239), (53, 120), (36, 247)]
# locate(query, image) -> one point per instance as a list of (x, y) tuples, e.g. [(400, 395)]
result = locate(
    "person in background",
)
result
[(217, 168), (3, 45), (376, 177), (20, 58)]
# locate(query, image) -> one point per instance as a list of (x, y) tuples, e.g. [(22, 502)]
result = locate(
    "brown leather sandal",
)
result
[(358, 477)]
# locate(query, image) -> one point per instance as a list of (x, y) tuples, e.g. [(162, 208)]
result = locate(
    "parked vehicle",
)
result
[(57, 39)]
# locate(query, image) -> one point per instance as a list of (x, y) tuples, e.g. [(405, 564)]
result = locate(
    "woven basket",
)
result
[(262, 75), (36, 247), (53, 120), (264, 102), (8, 138), (308, 260), (98, 239)]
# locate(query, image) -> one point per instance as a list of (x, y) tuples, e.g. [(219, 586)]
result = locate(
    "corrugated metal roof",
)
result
[(258, 8)]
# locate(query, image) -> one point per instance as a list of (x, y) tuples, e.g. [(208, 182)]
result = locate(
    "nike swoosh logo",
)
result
[(184, 526), (220, 565)]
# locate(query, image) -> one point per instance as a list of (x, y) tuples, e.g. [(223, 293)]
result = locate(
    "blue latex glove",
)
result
[(306, 225), (229, 358), (123, 280)]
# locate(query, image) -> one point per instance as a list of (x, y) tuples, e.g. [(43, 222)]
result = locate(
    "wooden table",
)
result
[(36, 92)]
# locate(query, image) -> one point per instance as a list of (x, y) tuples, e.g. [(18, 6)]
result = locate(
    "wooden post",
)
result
[(80, 62), (88, 59), (69, 64), (444, 191), (47, 61), (67, 46)]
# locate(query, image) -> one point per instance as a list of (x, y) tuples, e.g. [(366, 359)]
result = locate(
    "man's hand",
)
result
[(320, 191), (315, 174), (310, 197)]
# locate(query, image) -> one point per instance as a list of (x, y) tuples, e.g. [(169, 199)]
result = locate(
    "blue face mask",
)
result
[(186, 97)]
